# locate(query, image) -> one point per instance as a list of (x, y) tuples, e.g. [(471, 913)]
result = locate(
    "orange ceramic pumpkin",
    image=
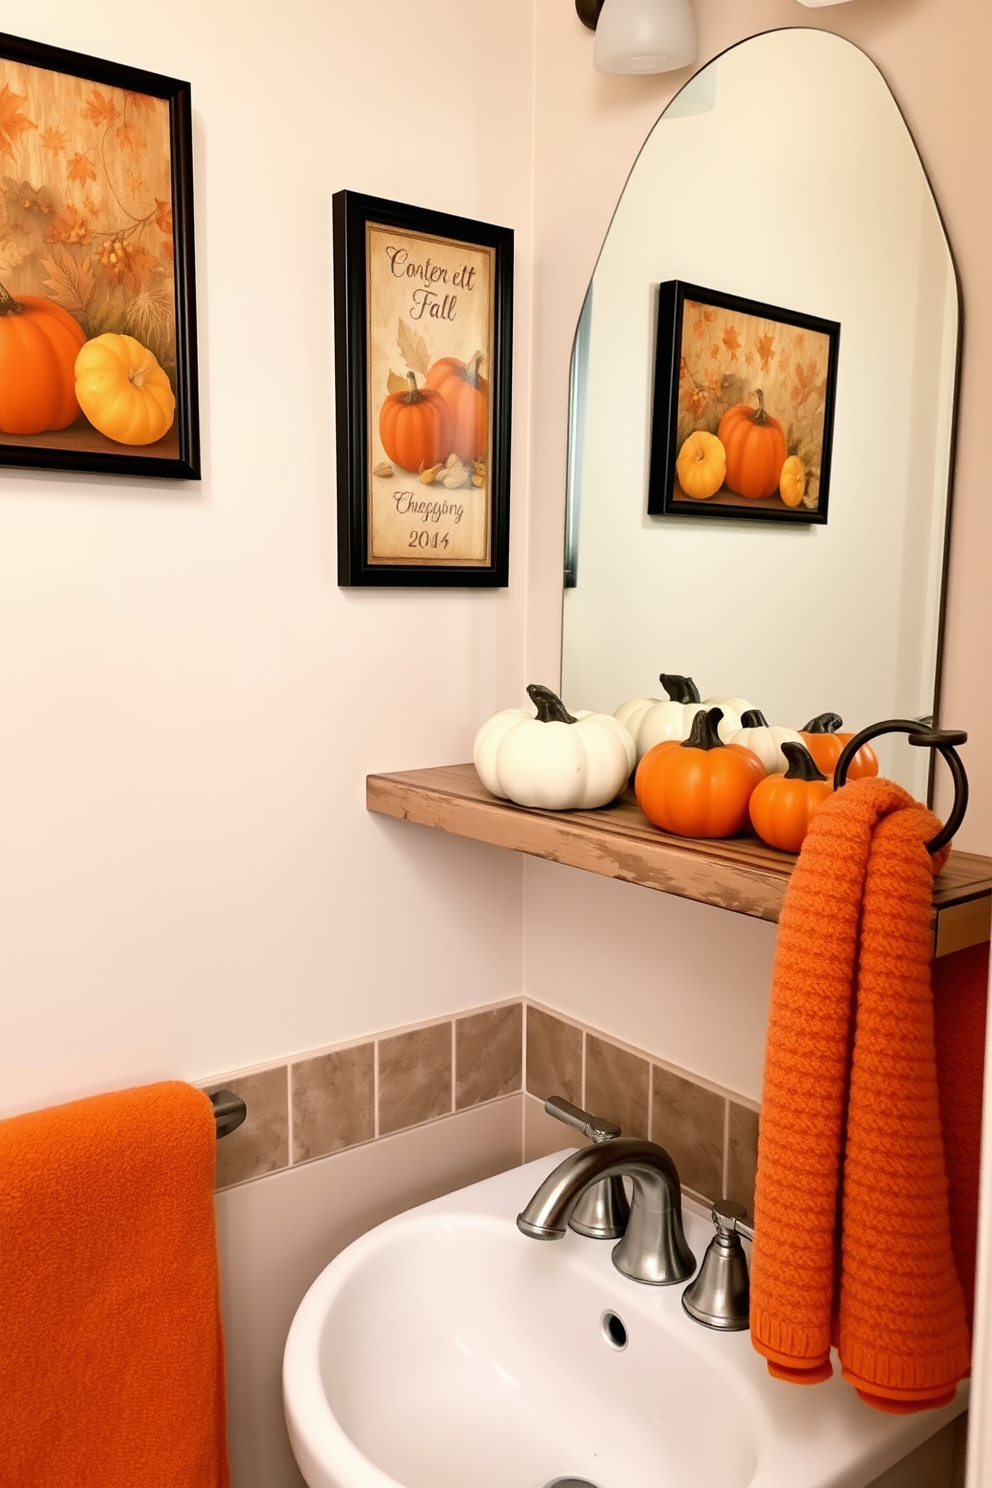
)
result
[(755, 446), (826, 745), (467, 397), (783, 806), (38, 346), (415, 427), (699, 787)]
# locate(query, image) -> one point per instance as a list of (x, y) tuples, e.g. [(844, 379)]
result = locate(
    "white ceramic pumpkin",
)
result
[(653, 720), (765, 740), (551, 759), (734, 709)]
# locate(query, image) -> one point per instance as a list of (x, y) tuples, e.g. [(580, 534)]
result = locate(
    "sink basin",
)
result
[(444, 1349)]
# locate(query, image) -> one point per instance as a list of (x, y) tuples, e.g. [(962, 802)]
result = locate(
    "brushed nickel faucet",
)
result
[(653, 1248)]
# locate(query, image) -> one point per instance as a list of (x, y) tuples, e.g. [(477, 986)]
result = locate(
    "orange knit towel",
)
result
[(111, 1355), (853, 1242)]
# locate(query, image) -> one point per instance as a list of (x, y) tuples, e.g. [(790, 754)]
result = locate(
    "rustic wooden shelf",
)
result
[(739, 874)]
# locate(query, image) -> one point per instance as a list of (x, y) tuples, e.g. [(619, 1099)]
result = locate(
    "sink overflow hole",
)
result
[(614, 1331), (571, 1483)]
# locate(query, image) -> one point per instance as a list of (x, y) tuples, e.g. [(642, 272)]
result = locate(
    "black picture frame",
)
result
[(116, 255), (716, 352), (403, 276)]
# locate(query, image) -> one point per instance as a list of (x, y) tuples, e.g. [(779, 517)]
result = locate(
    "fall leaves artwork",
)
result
[(422, 469), (430, 346), (96, 355), (744, 399)]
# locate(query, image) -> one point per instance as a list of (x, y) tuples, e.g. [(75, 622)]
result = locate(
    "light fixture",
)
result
[(640, 35)]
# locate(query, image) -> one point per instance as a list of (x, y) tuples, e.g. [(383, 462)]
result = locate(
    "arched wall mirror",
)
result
[(783, 172)]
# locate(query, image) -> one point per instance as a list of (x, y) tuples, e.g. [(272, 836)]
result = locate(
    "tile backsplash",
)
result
[(325, 1102)]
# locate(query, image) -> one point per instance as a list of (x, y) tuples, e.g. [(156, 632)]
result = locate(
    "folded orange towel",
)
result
[(111, 1354), (853, 1241)]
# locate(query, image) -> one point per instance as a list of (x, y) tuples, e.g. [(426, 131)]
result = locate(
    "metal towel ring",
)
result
[(924, 737)]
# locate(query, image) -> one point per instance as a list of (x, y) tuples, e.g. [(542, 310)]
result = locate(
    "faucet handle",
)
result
[(603, 1211), (596, 1128), (732, 1219)]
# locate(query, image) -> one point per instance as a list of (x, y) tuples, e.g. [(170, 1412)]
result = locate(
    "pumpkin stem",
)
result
[(802, 766), (8, 305), (680, 689), (754, 718), (472, 369), (761, 417), (550, 708), (414, 395), (704, 730), (823, 723)]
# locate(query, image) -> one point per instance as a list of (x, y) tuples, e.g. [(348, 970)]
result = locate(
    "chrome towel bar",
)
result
[(229, 1111)]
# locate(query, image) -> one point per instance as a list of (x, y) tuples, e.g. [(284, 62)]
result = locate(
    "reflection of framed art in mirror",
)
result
[(743, 408)]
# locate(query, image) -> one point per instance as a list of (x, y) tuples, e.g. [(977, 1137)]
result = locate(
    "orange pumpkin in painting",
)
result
[(755, 446), (467, 397), (415, 427), (39, 342)]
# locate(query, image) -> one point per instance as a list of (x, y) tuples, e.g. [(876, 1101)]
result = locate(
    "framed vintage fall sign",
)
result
[(423, 326), (97, 314), (743, 408)]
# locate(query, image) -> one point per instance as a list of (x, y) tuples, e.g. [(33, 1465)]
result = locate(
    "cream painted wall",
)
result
[(189, 881)]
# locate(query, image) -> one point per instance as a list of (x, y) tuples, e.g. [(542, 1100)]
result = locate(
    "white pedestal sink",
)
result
[(444, 1349)]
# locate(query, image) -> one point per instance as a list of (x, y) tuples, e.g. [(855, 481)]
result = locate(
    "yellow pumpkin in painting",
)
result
[(123, 391), (792, 481), (701, 466)]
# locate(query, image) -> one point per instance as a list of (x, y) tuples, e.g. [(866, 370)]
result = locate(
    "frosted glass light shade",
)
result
[(644, 36)]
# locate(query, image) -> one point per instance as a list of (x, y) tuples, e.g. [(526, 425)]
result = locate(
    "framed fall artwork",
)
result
[(423, 327), (743, 408), (97, 312)]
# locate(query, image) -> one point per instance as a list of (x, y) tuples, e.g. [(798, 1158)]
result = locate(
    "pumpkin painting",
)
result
[(467, 397), (38, 346), (701, 466), (123, 391), (755, 446), (415, 427), (792, 481)]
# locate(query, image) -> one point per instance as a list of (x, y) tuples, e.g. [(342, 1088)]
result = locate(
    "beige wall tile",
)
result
[(554, 1057), (488, 1055), (333, 1098), (414, 1077), (261, 1143), (742, 1155), (617, 1085), (688, 1121)]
